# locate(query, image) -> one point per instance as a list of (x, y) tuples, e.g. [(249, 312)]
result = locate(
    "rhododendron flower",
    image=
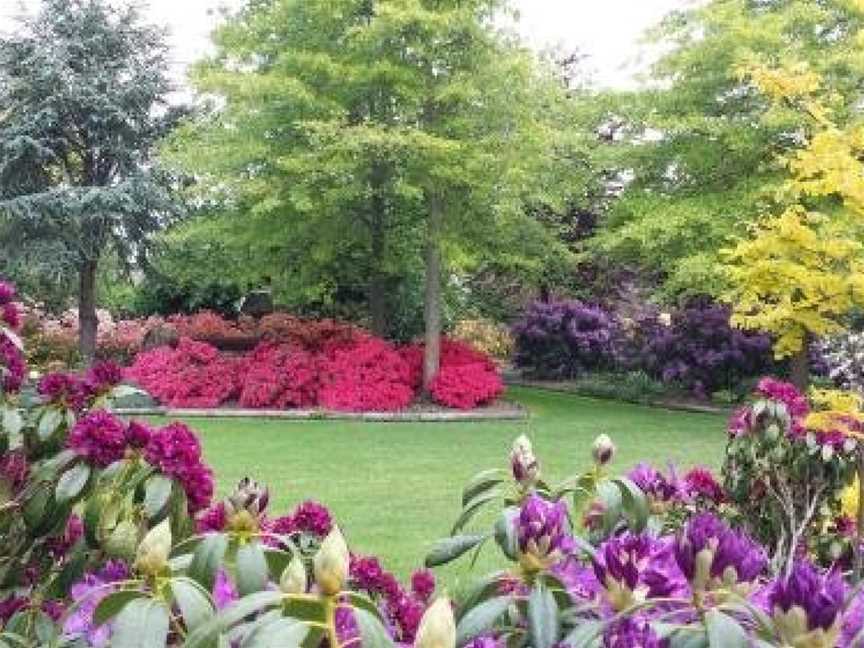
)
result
[(700, 483), (59, 546), (711, 555), (100, 437), (63, 389), (214, 519), (88, 593), (523, 462), (138, 434), (14, 470), (542, 532), (466, 386), (633, 567), (423, 584), (11, 316), (807, 605), (631, 632), (786, 393), (224, 592), (12, 363), (309, 517), (740, 422), (657, 487), (175, 451), (102, 377)]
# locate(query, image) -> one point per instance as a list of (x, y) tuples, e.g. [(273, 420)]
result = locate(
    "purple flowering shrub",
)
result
[(564, 339), (700, 350)]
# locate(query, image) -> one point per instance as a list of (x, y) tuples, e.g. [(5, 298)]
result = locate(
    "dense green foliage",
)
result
[(83, 88), (701, 143)]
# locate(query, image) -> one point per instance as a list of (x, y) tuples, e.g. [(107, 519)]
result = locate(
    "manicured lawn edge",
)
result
[(563, 387)]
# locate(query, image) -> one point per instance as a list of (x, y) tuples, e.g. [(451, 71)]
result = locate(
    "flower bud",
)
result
[(437, 627), (603, 450), (293, 580), (331, 563), (526, 468), (153, 552), (249, 496)]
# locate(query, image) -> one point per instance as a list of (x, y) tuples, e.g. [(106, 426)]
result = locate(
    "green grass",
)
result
[(395, 487)]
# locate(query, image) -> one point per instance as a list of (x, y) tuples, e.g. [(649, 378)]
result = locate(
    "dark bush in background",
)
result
[(564, 339)]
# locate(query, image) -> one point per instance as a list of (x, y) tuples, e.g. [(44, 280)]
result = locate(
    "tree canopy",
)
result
[(83, 90)]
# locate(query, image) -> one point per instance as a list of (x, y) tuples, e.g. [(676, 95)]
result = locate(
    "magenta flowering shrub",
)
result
[(336, 368), (194, 374), (367, 376), (12, 362), (785, 465)]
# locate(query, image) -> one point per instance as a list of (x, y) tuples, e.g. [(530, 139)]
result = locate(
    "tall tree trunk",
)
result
[(87, 320), (799, 367), (432, 297), (378, 279)]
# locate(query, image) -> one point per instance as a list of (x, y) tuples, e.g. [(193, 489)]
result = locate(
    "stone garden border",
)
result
[(510, 412)]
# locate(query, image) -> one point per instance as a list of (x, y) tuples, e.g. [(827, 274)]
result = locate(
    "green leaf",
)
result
[(480, 590), (206, 635), (72, 483), (372, 631), (480, 483), (473, 507), (277, 561), (194, 602), (481, 618), (505, 532), (448, 549), (612, 499), (50, 420), (207, 559), (143, 623), (724, 631), (12, 421), (544, 627), (584, 635), (38, 507), (276, 633), (157, 491), (252, 570), (635, 503), (113, 604)]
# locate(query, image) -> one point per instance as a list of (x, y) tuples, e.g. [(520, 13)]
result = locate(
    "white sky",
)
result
[(607, 30)]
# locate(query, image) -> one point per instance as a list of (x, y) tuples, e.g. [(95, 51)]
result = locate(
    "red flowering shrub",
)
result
[(454, 353), (194, 374), (280, 376), (367, 376), (465, 386), (313, 335)]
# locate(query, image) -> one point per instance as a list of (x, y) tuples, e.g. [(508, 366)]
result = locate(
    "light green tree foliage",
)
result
[(702, 144), (372, 133)]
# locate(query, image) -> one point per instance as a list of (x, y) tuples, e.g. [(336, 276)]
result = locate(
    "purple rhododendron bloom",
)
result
[(102, 377), (10, 315), (63, 389), (176, 452), (88, 593), (138, 434), (640, 563), (726, 548), (347, 629), (224, 592), (14, 470), (656, 485), (214, 519), (820, 596), (100, 437), (12, 360), (542, 527), (484, 641), (632, 633)]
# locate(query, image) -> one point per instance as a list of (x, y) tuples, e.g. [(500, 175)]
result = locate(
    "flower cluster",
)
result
[(12, 363), (344, 372), (542, 532), (76, 392), (404, 609), (174, 450)]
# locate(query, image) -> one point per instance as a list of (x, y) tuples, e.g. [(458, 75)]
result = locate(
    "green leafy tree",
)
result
[(83, 89), (699, 145), (404, 129)]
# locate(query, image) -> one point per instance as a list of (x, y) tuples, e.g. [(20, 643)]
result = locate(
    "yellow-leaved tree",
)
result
[(800, 272)]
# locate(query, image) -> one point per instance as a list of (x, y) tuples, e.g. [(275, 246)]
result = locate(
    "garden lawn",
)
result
[(395, 487)]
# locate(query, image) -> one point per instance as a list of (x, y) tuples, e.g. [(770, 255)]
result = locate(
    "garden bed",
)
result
[(428, 413)]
